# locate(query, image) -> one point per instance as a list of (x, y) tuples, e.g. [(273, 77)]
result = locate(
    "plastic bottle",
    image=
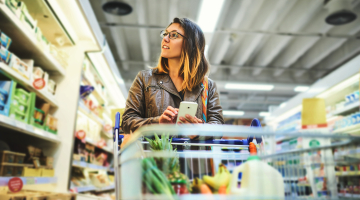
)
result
[(259, 180)]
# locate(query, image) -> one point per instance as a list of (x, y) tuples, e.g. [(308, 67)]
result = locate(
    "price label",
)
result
[(345, 173), (30, 181), (15, 184), (9, 121), (2, 118), (30, 128), (352, 173)]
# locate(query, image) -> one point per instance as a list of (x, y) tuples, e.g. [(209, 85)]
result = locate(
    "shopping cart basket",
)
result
[(310, 165)]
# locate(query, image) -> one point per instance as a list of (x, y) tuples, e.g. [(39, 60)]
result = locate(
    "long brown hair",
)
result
[(194, 65)]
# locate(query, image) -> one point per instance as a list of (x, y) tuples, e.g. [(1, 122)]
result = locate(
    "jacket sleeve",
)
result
[(214, 109), (134, 115)]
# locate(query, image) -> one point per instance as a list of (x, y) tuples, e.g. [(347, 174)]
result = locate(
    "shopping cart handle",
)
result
[(217, 141), (117, 126)]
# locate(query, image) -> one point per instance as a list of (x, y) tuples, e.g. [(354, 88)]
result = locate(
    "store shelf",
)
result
[(90, 141), (27, 129), (82, 164), (350, 107), (90, 114), (24, 43), (107, 134), (350, 173), (354, 129), (285, 137), (49, 98), (349, 196), (290, 178), (92, 188), (30, 180)]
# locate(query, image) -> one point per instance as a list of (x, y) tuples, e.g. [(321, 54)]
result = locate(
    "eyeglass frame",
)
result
[(170, 32)]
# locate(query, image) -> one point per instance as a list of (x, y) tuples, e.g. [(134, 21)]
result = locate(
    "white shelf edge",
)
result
[(92, 188), (31, 37), (28, 129), (349, 129), (90, 141), (29, 180), (18, 78), (89, 114), (82, 164), (345, 109)]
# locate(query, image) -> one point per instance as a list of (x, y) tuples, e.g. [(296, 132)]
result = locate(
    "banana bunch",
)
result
[(221, 178), (196, 185)]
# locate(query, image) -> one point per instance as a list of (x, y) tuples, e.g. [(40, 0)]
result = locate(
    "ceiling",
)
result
[(285, 43)]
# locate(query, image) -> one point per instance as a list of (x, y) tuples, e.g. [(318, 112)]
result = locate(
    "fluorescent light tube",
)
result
[(237, 86), (209, 14), (264, 114), (301, 88), (233, 113)]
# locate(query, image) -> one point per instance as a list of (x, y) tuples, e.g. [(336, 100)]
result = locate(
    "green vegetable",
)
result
[(156, 181)]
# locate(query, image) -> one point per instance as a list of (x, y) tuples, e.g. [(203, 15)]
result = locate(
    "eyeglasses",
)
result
[(172, 34)]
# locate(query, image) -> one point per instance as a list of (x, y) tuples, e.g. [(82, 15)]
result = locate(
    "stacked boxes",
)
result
[(20, 106)]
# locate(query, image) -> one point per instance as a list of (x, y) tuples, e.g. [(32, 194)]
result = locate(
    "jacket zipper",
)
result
[(169, 91)]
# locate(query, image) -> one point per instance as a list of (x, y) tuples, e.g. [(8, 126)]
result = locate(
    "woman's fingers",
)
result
[(198, 120), (169, 113), (173, 110)]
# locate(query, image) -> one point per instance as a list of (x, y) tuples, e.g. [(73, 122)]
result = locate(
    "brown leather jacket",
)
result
[(152, 92)]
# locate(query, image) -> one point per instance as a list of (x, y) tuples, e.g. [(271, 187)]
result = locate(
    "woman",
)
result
[(155, 94)]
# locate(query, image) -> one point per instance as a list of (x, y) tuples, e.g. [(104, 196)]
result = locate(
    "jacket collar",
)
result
[(164, 80)]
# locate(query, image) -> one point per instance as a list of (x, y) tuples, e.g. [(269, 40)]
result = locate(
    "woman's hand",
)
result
[(190, 120), (169, 116)]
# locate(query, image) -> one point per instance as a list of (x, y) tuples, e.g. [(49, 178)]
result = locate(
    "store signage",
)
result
[(15, 184), (39, 83)]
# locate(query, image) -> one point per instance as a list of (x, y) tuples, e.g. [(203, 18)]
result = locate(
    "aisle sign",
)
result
[(15, 184), (313, 113)]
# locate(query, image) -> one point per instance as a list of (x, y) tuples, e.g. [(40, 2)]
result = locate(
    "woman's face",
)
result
[(171, 48)]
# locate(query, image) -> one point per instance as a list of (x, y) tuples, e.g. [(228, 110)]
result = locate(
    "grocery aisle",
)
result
[(66, 68)]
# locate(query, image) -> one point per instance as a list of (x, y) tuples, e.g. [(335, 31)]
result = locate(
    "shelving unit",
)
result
[(91, 115), (28, 129), (9, 72), (30, 180), (26, 45)]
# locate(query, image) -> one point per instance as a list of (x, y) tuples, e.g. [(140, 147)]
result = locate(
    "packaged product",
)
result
[(5, 55), (23, 68), (51, 86), (47, 161), (26, 18), (5, 40), (44, 44), (14, 6)]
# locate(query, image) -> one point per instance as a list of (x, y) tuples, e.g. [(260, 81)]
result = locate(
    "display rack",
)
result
[(26, 44), (92, 188), (46, 96), (82, 164), (27, 129)]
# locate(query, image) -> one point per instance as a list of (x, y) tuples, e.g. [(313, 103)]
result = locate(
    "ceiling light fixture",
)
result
[(233, 113), (237, 86), (340, 12), (117, 8), (209, 14), (301, 88), (264, 114)]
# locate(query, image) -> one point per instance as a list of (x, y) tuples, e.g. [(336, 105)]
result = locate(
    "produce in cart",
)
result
[(170, 166)]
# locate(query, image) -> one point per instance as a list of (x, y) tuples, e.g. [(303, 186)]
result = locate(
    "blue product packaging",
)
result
[(5, 55), (358, 118), (353, 119), (5, 40)]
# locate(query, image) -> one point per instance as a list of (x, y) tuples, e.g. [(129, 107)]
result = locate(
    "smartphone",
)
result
[(186, 107)]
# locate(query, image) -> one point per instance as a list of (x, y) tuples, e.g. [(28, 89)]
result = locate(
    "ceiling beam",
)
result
[(275, 45), (118, 36), (347, 51), (248, 47), (301, 45), (242, 101), (144, 41), (219, 52), (211, 41)]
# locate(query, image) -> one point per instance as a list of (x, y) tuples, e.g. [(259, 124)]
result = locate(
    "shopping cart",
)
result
[(310, 165)]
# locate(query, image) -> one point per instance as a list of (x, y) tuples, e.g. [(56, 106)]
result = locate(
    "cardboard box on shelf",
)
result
[(47, 161), (5, 55), (23, 67), (5, 40), (47, 172)]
